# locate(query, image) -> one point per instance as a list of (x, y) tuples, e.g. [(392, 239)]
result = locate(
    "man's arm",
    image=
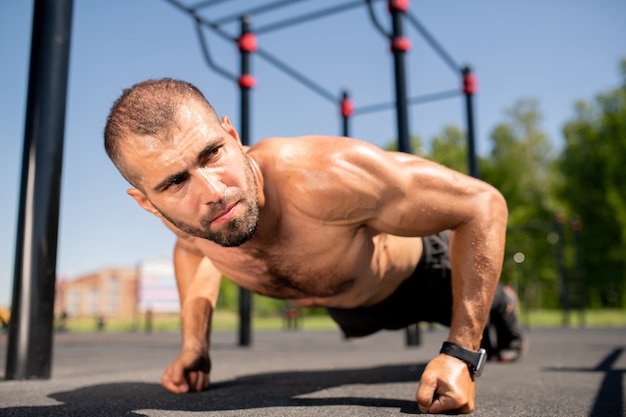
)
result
[(198, 286), (417, 198), (476, 252)]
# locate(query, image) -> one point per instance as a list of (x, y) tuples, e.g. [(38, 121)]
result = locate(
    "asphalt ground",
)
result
[(567, 372)]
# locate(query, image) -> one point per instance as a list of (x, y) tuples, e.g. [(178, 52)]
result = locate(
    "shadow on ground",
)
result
[(245, 393), (609, 400)]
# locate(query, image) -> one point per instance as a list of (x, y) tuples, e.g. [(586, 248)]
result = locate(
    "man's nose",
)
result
[(212, 187)]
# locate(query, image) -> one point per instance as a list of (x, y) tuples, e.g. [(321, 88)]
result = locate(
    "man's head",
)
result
[(185, 164), (147, 109)]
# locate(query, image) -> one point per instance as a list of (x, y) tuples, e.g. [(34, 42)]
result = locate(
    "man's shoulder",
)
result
[(313, 171), (305, 142), (310, 148)]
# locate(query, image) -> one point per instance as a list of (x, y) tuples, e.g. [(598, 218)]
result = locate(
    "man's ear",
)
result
[(143, 201), (230, 129)]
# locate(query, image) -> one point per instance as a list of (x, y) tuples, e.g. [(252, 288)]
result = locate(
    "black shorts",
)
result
[(424, 296)]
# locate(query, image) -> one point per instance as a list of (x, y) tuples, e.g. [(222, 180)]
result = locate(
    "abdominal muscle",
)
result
[(394, 260)]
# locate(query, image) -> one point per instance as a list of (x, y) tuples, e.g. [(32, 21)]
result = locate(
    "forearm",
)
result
[(476, 253), (198, 285), (196, 315)]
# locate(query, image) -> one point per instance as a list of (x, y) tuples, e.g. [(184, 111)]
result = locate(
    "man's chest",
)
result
[(314, 263)]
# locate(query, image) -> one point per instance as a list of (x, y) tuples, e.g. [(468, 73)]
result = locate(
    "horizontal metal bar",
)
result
[(206, 3), (307, 17), (257, 10), (373, 108)]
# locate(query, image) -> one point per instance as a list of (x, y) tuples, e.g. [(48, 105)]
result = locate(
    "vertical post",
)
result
[(559, 222), (577, 226), (347, 109), (29, 353), (399, 46), (470, 86), (247, 45), (412, 335), (522, 288)]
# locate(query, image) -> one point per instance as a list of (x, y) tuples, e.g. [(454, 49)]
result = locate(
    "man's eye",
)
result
[(213, 152), (177, 180)]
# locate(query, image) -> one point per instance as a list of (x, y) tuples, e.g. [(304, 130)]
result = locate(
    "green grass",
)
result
[(160, 323), (229, 321), (222, 320), (590, 318)]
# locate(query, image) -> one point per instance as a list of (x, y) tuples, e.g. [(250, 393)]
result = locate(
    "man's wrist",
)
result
[(475, 360)]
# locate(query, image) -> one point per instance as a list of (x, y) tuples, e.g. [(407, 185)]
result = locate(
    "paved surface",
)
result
[(566, 373)]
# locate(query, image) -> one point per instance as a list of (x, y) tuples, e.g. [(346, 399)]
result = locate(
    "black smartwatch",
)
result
[(475, 360)]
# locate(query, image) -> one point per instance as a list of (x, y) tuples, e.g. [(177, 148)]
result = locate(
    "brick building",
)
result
[(120, 292), (110, 292)]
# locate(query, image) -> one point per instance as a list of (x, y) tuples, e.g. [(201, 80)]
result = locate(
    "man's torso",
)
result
[(349, 271), (318, 249)]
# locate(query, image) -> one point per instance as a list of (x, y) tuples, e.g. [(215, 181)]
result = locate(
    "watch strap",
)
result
[(474, 359)]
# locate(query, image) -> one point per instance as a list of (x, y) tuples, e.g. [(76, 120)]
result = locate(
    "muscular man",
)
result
[(316, 220)]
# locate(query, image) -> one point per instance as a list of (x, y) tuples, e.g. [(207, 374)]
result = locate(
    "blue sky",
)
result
[(557, 52)]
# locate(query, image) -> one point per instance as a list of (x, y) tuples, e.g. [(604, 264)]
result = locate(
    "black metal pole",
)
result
[(559, 222), (523, 289), (412, 335), (399, 46), (347, 110), (576, 228), (247, 45), (29, 353), (469, 89)]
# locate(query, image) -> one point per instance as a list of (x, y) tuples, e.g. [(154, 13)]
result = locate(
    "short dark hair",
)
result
[(148, 108)]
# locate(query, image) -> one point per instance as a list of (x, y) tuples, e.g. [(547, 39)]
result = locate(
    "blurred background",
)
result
[(550, 116)]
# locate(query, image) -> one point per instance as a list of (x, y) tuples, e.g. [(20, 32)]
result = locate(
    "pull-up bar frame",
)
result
[(399, 46)]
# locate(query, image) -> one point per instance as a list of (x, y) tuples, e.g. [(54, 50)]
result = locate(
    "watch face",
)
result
[(478, 369)]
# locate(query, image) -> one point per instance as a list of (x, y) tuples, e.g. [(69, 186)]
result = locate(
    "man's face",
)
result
[(198, 178)]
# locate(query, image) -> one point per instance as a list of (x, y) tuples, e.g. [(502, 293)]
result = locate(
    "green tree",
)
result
[(229, 295), (449, 148), (594, 189), (520, 166)]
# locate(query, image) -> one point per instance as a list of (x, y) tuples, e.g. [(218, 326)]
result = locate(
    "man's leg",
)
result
[(510, 342), (507, 342)]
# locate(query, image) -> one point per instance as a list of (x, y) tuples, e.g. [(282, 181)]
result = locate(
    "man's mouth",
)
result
[(225, 215)]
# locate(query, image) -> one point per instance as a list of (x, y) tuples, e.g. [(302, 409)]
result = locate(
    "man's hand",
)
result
[(189, 372), (446, 385)]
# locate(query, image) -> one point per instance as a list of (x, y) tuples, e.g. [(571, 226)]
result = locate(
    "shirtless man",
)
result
[(316, 220)]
